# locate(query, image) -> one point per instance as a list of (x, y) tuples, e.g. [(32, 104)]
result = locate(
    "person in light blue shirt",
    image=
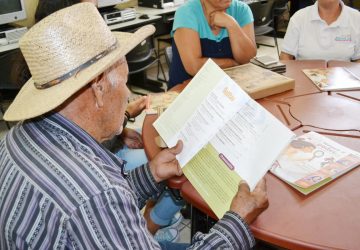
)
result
[(202, 29)]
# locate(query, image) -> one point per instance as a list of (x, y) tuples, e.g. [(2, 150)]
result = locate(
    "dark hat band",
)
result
[(77, 69)]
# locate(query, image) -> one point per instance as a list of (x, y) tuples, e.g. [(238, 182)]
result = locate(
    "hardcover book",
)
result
[(266, 60), (313, 160), (259, 82), (277, 67), (334, 79)]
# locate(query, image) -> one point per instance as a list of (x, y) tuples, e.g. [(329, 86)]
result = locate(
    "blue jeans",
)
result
[(166, 206), (165, 209), (167, 245), (133, 157)]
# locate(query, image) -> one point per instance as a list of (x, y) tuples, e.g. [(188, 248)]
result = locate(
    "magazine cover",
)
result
[(312, 159), (333, 79)]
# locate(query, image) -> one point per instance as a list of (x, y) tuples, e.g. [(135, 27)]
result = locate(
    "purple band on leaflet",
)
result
[(226, 161)]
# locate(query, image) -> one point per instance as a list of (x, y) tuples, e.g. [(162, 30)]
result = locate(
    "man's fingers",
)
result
[(177, 148), (261, 186), (243, 187), (260, 194), (143, 101), (179, 169)]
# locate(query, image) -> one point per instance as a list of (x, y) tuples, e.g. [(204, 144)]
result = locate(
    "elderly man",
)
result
[(59, 187)]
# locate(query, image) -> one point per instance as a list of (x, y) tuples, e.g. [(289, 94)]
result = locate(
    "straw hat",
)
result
[(64, 52)]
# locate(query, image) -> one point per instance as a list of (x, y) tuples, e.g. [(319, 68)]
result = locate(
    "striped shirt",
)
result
[(60, 189)]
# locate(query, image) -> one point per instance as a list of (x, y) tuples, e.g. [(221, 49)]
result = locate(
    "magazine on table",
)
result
[(334, 79), (313, 160)]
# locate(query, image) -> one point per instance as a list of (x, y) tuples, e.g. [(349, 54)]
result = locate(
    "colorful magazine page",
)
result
[(333, 79), (312, 160)]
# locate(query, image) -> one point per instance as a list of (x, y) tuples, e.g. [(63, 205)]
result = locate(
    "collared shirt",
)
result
[(60, 189), (310, 37)]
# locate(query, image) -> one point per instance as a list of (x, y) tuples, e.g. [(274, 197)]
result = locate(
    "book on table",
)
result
[(313, 160), (259, 82), (266, 60), (334, 78), (227, 136), (277, 67)]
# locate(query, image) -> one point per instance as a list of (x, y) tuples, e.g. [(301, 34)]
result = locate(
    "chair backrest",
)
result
[(13, 71), (280, 6), (262, 12), (141, 57), (168, 55), (141, 52), (280, 3)]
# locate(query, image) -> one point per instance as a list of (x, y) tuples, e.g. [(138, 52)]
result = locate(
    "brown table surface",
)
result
[(326, 218)]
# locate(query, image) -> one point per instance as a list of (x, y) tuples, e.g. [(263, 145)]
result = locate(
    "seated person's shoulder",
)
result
[(188, 13), (304, 13), (189, 6), (241, 12), (240, 6), (353, 13)]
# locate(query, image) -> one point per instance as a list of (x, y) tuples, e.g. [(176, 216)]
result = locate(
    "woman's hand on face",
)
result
[(221, 19)]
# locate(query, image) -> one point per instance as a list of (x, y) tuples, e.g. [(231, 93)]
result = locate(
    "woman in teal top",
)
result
[(218, 29)]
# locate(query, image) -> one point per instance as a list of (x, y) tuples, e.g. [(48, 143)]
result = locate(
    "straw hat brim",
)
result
[(31, 102)]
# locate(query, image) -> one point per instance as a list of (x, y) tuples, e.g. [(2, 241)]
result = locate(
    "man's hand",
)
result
[(165, 165), (250, 204), (136, 107), (131, 138)]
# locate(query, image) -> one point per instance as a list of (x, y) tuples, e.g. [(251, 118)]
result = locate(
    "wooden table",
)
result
[(327, 218)]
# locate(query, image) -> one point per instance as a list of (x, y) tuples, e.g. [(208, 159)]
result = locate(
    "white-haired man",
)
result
[(60, 188)]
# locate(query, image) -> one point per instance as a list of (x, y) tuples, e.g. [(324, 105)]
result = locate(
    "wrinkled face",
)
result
[(116, 97), (219, 4)]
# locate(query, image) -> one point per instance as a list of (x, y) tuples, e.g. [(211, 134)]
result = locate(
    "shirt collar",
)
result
[(315, 12), (341, 21), (314, 16)]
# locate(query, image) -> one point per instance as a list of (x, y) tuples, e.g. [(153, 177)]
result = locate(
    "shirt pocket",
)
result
[(344, 42)]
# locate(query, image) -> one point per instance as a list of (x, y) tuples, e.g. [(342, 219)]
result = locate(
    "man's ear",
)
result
[(98, 88)]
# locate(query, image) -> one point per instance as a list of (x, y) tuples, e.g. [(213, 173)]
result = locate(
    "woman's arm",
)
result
[(188, 44), (242, 39)]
